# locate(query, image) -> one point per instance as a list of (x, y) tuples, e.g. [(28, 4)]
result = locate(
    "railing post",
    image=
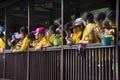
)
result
[(117, 53), (61, 55)]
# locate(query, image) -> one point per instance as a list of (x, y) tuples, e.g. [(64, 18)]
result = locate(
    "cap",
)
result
[(77, 22), (15, 36), (39, 30), (1, 28)]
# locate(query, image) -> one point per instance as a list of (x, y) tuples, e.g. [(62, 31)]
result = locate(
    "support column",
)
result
[(117, 55)]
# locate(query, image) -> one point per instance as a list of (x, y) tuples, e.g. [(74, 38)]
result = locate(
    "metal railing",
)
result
[(97, 63)]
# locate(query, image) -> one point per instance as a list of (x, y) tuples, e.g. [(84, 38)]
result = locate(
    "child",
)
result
[(107, 29), (77, 31), (99, 17), (14, 43), (40, 35), (88, 34), (32, 41), (52, 34), (68, 32), (111, 19), (24, 40), (2, 42)]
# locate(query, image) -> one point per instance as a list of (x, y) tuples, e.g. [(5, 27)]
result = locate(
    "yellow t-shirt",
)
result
[(16, 47), (98, 39), (76, 36), (24, 45), (2, 43), (88, 34), (51, 39), (43, 42)]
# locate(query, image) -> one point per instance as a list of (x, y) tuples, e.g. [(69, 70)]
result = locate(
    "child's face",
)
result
[(98, 23), (76, 29), (85, 23), (21, 35), (37, 36), (47, 34)]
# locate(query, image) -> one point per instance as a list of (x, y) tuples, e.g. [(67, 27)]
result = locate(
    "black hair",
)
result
[(100, 16), (1, 35), (89, 17), (53, 28), (106, 23), (31, 36), (24, 30), (111, 15), (68, 26)]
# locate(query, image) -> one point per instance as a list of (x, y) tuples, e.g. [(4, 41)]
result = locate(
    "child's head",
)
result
[(23, 32), (39, 33), (14, 39), (31, 37), (88, 18), (77, 25), (99, 17), (67, 28), (111, 18), (105, 24), (52, 29)]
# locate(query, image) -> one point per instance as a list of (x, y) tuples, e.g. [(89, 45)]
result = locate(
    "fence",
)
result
[(97, 63)]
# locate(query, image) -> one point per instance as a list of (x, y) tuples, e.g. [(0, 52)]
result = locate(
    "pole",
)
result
[(61, 55)]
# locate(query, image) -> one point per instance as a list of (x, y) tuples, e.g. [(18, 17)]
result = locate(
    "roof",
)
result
[(44, 10)]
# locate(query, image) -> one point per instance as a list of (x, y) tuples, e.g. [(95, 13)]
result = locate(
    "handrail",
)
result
[(55, 48)]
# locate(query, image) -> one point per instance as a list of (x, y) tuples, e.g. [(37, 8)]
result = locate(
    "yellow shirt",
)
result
[(88, 34), (16, 47), (2, 43), (24, 45), (43, 42), (100, 31), (76, 36), (51, 39)]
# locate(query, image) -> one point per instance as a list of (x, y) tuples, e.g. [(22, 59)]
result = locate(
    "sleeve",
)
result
[(2, 44), (24, 44), (78, 37)]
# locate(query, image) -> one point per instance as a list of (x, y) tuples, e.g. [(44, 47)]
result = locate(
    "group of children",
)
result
[(86, 29), (91, 29)]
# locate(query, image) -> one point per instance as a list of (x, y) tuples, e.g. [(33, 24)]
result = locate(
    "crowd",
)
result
[(88, 28)]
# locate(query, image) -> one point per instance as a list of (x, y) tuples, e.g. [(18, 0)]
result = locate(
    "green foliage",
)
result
[(105, 10)]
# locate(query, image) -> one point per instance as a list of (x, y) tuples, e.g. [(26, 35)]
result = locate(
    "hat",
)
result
[(39, 30), (77, 22), (1, 28), (15, 36)]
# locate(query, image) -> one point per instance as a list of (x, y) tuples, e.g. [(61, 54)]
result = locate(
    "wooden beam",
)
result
[(7, 3)]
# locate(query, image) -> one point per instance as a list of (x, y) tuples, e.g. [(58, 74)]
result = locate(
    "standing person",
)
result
[(99, 17), (88, 34), (24, 40)]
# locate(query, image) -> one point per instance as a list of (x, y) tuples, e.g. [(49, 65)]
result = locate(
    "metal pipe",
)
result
[(61, 55)]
